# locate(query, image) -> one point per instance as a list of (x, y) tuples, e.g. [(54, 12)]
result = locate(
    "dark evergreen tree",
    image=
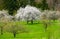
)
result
[(22, 3), (32, 2), (11, 5), (44, 5)]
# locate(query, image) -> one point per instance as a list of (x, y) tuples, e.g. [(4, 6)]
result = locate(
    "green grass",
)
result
[(36, 31)]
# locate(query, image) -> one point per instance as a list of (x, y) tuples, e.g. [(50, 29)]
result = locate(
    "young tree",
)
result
[(45, 21), (2, 24), (15, 28), (4, 18), (46, 24)]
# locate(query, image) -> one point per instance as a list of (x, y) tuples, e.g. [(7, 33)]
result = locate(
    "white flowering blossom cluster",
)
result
[(5, 16), (31, 13), (50, 15), (19, 15), (28, 13)]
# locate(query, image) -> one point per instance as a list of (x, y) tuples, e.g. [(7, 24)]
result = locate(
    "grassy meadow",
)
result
[(36, 31)]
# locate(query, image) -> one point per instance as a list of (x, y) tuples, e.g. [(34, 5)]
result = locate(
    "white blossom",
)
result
[(28, 13)]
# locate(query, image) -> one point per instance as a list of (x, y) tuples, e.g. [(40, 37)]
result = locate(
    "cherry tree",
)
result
[(31, 13), (4, 14), (19, 15)]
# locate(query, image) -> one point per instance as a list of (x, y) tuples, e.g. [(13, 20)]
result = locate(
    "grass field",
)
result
[(36, 31)]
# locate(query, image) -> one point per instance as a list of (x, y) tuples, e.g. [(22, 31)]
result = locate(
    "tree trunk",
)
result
[(1, 30), (31, 21), (14, 35), (54, 20), (27, 21), (45, 26)]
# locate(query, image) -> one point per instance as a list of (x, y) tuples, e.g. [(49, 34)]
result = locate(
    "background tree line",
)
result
[(13, 5)]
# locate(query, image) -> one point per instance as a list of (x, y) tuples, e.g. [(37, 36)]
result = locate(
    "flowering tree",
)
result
[(19, 15), (50, 15), (29, 14), (4, 14), (53, 15)]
